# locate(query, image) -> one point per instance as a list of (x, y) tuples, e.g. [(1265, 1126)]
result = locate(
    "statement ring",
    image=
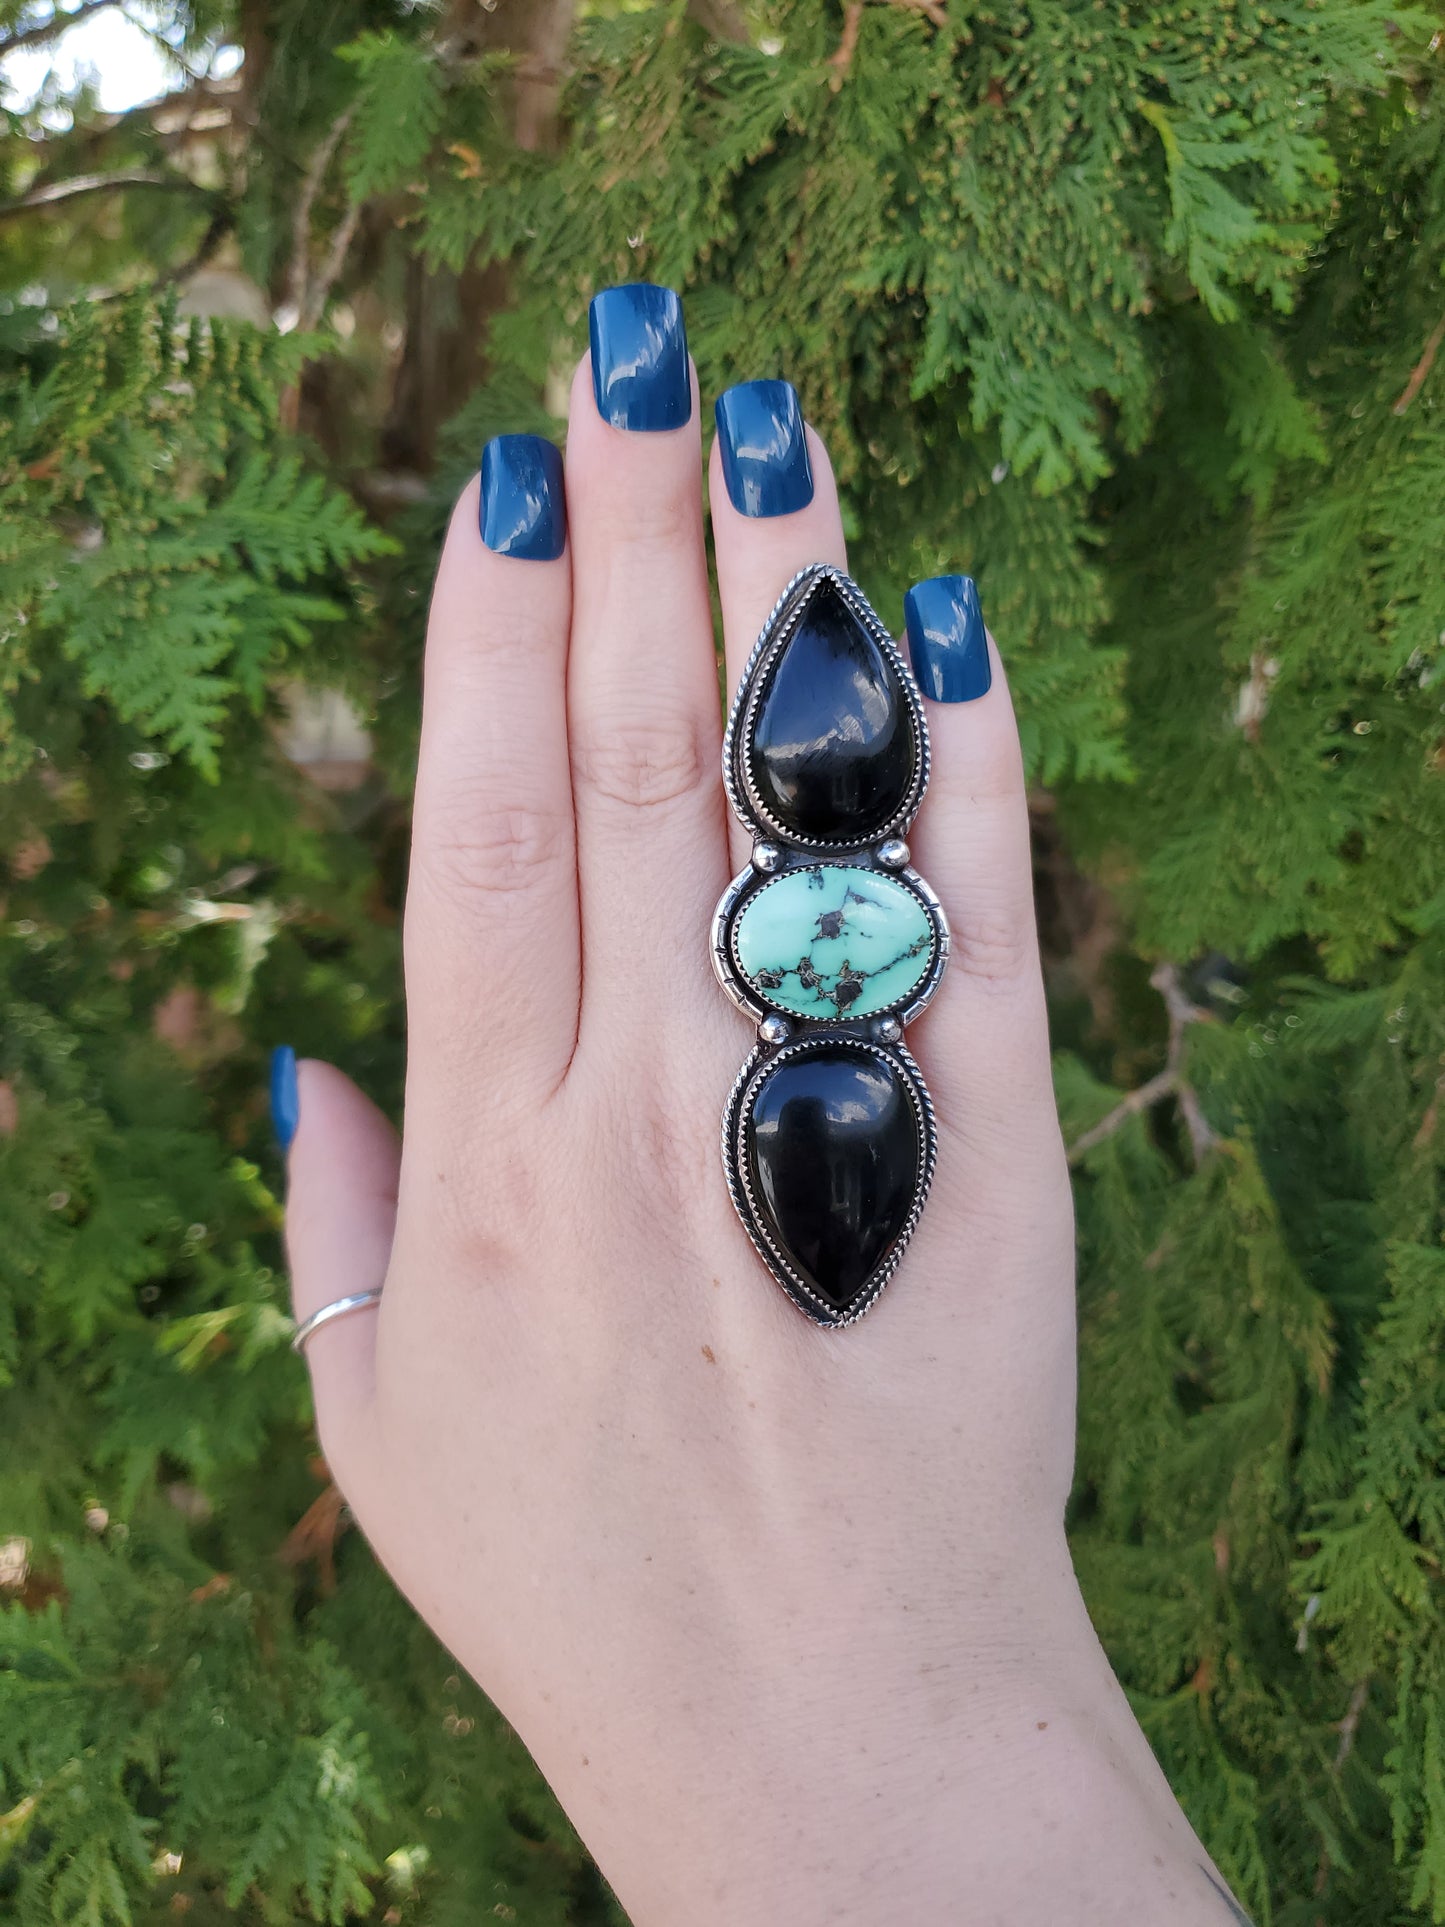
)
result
[(831, 942)]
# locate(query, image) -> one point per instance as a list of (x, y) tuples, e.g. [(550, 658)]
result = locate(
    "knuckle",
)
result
[(490, 852), (995, 950), (644, 764), (642, 525)]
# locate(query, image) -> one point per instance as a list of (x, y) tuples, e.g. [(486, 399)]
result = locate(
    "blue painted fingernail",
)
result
[(639, 357), (947, 640), (764, 449), (285, 1105), (524, 507)]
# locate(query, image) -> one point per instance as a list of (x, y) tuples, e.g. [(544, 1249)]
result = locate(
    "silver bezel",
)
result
[(776, 633), (741, 1100), (756, 1003)]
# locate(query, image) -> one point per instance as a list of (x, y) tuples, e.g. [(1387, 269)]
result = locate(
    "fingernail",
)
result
[(285, 1106), (639, 357), (947, 640), (764, 449), (524, 508)]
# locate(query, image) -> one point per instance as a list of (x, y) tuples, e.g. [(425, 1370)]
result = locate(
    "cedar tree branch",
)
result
[(1170, 1082), (55, 192), (1421, 369)]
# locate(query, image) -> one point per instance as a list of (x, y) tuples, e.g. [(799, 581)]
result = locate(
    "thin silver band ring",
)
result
[(338, 1308)]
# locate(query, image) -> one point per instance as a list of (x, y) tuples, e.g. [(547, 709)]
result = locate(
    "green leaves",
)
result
[(153, 541), (395, 113), (1124, 309)]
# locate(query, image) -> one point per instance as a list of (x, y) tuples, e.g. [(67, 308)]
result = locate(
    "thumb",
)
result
[(342, 1163)]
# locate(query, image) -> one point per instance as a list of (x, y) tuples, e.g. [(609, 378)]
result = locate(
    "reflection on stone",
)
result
[(832, 1148), (833, 748)]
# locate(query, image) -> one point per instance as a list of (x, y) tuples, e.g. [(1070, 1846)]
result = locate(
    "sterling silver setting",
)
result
[(784, 1035), (753, 1003), (735, 1165), (776, 633)]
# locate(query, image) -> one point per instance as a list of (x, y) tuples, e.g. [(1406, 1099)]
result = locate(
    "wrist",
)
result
[(904, 1776)]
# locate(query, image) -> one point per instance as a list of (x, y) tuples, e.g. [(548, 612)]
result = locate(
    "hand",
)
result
[(785, 1615)]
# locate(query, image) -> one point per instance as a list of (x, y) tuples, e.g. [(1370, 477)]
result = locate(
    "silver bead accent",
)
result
[(767, 857), (775, 1030), (893, 854), (887, 1030)]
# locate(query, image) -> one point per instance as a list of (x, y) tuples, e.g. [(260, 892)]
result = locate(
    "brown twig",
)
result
[(155, 35), (323, 282), (936, 10), (841, 60), (1422, 368), (298, 272), (842, 57), (1347, 1729), (50, 29), (1170, 1082), (53, 193), (722, 19)]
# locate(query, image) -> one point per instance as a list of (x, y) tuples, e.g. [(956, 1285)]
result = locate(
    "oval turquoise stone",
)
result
[(834, 940)]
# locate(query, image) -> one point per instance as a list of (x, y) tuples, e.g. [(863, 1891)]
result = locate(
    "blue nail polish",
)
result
[(524, 507), (947, 640), (764, 449), (639, 357), (285, 1106)]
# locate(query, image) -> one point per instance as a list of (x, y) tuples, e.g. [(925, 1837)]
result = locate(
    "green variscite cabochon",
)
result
[(834, 940)]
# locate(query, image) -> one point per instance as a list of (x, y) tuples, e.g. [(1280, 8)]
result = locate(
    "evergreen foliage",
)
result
[(1135, 310)]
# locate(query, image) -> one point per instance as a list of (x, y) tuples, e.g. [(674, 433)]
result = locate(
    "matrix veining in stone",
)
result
[(834, 940)]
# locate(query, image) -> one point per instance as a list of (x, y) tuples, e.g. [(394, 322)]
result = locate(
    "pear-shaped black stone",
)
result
[(832, 1146), (833, 749)]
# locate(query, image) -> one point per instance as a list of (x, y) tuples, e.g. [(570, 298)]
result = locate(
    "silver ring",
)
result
[(831, 942), (338, 1308)]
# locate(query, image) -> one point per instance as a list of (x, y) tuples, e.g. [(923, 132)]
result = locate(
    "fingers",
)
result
[(984, 1041), (342, 1170), (774, 510), (644, 718), (492, 949)]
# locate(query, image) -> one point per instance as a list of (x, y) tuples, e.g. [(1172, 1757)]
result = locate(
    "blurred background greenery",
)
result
[(1132, 308)]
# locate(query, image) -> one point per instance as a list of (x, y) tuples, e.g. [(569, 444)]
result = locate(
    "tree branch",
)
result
[(342, 236), (155, 35), (935, 9), (842, 57), (721, 19), (538, 81), (1421, 370), (298, 272), (52, 28), (1170, 1082), (1347, 1729), (55, 192)]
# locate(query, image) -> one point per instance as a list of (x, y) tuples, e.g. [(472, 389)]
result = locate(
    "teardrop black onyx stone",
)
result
[(833, 748), (832, 1147)]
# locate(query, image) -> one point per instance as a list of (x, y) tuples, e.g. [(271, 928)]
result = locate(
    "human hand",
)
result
[(785, 1615)]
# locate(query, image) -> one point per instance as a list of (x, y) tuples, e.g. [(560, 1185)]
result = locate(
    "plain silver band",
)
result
[(338, 1308)]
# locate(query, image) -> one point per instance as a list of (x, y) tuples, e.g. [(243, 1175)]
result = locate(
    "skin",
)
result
[(786, 1616)]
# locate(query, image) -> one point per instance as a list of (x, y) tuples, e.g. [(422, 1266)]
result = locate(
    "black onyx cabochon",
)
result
[(833, 749), (831, 1143)]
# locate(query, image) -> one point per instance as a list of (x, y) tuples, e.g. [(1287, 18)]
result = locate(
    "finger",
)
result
[(774, 510), (492, 955), (644, 717), (984, 1040), (342, 1167)]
